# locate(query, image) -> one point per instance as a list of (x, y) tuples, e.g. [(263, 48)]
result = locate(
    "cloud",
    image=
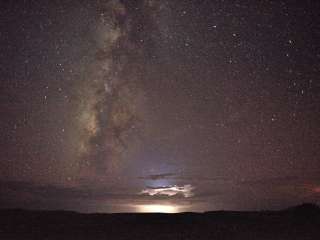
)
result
[(29, 195), (158, 176), (176, 176), (170, 191), (57, 192), (271, 180)]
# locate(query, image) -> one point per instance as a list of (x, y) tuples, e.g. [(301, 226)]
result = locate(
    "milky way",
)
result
[(142, 105), (108, 113)]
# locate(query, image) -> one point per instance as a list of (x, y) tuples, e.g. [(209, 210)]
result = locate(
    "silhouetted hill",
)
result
[(305, 209), (301, 222)]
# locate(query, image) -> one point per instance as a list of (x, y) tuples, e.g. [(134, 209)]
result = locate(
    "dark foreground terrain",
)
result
[(302, 222)]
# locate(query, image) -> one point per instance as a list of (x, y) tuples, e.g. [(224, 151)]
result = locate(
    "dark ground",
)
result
[(302, 222)]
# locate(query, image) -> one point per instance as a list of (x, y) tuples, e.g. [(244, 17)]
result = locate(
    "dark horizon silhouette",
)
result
[(299, 222)]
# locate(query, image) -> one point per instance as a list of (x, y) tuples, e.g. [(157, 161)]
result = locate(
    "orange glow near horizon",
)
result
[(316, 189)]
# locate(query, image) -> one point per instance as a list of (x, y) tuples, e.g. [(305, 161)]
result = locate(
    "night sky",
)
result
[(138, 106)]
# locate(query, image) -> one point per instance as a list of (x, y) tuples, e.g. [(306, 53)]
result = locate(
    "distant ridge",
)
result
[(304, 207)]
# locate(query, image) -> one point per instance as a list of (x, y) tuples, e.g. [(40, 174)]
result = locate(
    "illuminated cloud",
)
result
[(170, 191)]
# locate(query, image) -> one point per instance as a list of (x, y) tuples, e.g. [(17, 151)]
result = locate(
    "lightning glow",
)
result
[(157, 208)]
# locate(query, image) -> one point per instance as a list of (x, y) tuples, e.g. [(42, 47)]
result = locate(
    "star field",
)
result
[(112, 105)]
